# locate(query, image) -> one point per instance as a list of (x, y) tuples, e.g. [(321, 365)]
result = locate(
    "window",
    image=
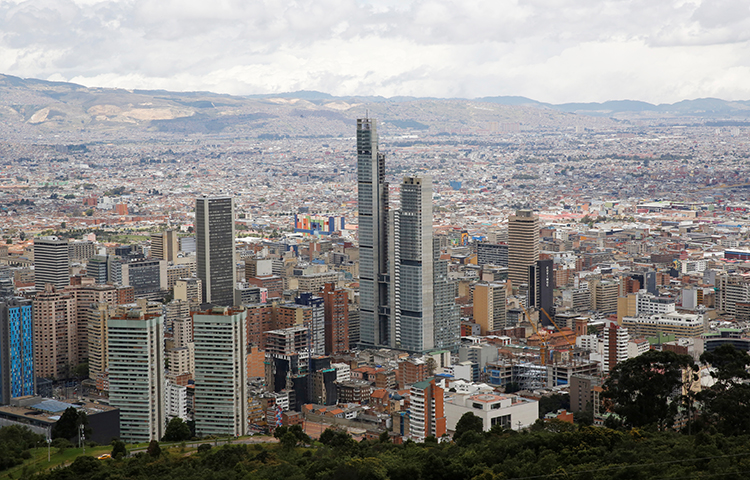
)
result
[(503, 420)]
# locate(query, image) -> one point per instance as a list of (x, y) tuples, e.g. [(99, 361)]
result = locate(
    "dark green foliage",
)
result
[(118, 449), (726, 405), (468, 423), (592, 453), (177, 431), (68, 425), (153, 450), (553, 403), (15, 443), (645, 390), (204, 448)]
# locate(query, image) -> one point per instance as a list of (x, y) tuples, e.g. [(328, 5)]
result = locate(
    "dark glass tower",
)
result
[(214, 227), (373, 237)]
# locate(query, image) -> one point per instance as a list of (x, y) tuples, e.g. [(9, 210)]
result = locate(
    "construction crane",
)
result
[(544, 349), (564, 334)]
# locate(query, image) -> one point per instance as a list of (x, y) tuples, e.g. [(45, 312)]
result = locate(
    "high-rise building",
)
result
[(336, 303), (17, 378), (411, 273), (220, 372), (136, 374), (541, 288), (57, 337), (489, 306), (523, 245), (97, 344), (615, 347), (165, 245), (373, 237), (447, 318), (51, 262), (315, 323), (214, 226), (427, 407)]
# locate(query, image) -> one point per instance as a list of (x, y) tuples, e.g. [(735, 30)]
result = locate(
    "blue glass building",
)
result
[(16, 349)]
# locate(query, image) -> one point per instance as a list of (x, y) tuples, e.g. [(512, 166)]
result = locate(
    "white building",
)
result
[(175, 401), (220, 372), (648, 304), (136, 374), (508, 410), (343, 372), (615, 347)]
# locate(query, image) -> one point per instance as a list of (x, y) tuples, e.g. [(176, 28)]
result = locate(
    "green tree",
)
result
[(177, 431), (69, 424), (646, 390), (468, 423), (153, 450), (118, 449), (726, 404)]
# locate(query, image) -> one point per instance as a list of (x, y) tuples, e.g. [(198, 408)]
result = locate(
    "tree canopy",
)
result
[(647, 389), (177, 431)]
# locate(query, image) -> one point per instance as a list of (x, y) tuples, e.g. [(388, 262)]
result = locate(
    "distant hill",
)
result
[(32, 107)]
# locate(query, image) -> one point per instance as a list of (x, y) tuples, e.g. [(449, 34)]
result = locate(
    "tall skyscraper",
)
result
[(136, 374), (406, 298), (220, 371), (373, 237), (411, 272), (447, 318), (17, 378), (51, 262), (214, 226), (523, 245), (57, 337)]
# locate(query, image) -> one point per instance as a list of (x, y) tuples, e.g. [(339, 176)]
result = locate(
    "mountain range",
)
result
[(32, 107)]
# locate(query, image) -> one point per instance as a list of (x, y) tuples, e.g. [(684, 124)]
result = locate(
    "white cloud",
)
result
[(551, 50)]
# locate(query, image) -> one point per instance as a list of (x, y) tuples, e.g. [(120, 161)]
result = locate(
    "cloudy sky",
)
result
[(550, 50)]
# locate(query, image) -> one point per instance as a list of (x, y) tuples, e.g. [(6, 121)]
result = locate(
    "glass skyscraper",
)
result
[(16, 349), (214, 227)]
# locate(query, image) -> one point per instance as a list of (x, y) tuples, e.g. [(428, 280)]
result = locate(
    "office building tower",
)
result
[(165, 245), (221, 395), (81, 251), (336, 303), (17, 377), (148, 277), (447, 318), (411, 272), (541, 287), (57, 337), (523, 245), (315, 323), (373, 237), (214, 226), (136, 374), (97, 336), (489, 306), (492, 254), (51, 263)]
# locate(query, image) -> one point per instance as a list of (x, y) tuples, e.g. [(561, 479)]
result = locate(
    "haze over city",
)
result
[(552, 51)]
